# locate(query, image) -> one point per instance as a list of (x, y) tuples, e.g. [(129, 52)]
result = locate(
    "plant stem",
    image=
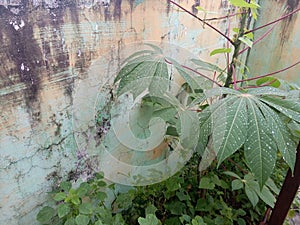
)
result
[(259, 39), (222, 17), (268, 74), (237, 165), (212, 27), (237, 45), (195, 71), (275, 21)]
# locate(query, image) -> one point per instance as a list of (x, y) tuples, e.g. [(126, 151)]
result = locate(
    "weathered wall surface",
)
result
[(46, 47), (281, 47)]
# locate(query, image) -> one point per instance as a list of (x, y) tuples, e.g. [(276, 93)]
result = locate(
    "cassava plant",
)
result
[(256, 116), (245, 130)]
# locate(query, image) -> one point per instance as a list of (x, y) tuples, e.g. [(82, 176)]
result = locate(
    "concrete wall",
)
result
[(47, 49), (281, 47)]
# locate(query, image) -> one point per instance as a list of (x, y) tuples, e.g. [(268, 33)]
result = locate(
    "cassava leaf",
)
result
[(218, 91), (208, 118), (207, 66), (268, 91), (193, 80), (229, 140), (148, 75), (259, 148), (282, 136), (288, 107)]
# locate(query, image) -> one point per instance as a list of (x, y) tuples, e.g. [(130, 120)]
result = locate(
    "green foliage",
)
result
[(220, 50), (78, 206), (191, 198), (243, 134)]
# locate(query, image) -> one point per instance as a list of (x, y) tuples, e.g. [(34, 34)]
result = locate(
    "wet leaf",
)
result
[(260, 148)]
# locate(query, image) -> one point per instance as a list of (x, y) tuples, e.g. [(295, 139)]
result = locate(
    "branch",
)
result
[(223, 17), (195, 71), (263, 85), (275, 21), (202, 75), (258, 40), (268, 74), (212, 27)]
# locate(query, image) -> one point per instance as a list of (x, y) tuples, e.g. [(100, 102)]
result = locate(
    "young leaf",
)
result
[(220, 50), (259, 148), (244, 4), (272, 81)]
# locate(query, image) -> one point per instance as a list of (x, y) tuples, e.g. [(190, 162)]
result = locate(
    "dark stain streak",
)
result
[(117, 9), (23, 51), (168, 6), (287, 25), (292, 4)]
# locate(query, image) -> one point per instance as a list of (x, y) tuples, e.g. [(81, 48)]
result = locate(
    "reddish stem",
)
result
[(223, 17), (195, 71), (263, 85), (212, 27), (258, 40), (269, 74), (234, 77), (275, 21)]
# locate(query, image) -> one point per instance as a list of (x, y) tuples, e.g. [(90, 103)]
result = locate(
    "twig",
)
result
[(195, 71), (212, 27), (234, 77), (223, 17), (237, 165), (263, 85), (268, 74), (258, 40), (275, 21)]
